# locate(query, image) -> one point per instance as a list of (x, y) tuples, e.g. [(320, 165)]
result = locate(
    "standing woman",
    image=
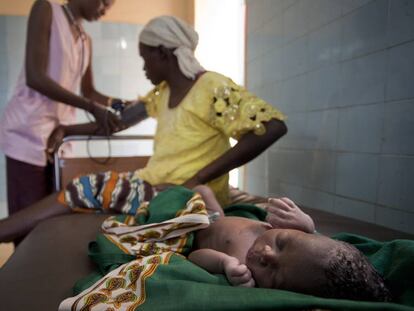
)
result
[(57, 62)]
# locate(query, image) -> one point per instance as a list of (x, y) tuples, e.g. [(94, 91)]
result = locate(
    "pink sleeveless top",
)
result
[(30, 117)]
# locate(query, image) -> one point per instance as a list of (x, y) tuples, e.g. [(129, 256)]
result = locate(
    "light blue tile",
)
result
[(322, 171), (401, 21), (4, 82), (273, 34), (256, 186), (254, 47), (272, 66), (129, 48), (16, 25), (359, 128), (297, 136), (130, 31), (274, 190), (277, 170), (3, 34), (295, 94), (295, 21), (357, 175), (111, 66), (351, 5), (270, 8), (363, 80), (15, 41), (395, 183), (286, 4), (291, 166), (110, 30), (398, 128), (355, 209), (94, 29), (258, 167), (110, 83), (297, 163), (318, 200), (272, 93), (322, 129), (254, 73), (400, 72), (4, 97), (294, 58), (106, 48), (3, 25), (322, 12), (364, 30), (4, 66), (325, 45), (391, 218), (325, 87), (284, 189)]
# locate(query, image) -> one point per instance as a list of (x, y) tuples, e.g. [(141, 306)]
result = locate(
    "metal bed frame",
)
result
[(89, 166)]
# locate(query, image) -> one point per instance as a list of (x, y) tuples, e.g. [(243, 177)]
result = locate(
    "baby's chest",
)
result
[(237, 245)]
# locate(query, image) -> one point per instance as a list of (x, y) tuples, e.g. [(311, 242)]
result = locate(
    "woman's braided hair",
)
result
[(350, 276)]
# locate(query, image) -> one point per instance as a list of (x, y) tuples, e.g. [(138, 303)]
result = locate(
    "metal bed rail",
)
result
[(74, 138)]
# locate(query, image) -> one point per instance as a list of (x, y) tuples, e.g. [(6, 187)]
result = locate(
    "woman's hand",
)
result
[(106, 120), (284, 213), (54, 141), (238, 274)]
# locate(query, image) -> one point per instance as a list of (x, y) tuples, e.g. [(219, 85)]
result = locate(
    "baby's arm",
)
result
[(284, 213), (218, 262)]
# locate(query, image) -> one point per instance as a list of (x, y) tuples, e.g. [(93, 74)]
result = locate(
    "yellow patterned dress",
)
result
[(197, 131)]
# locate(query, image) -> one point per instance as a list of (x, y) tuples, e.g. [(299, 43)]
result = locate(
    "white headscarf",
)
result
[(172, 32)]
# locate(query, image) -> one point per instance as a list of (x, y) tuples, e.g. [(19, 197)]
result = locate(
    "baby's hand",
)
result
[(284, 213), (238, 274)]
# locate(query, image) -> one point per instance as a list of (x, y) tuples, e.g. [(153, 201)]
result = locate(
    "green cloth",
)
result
[(181, 285)]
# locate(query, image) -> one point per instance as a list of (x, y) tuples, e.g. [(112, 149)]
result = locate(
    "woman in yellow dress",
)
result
[(197, 111)]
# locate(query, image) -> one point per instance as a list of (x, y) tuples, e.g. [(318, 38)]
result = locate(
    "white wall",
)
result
[(221, 28), (220, 25)]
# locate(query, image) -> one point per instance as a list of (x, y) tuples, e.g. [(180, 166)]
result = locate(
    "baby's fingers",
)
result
[(249, 283), (280, 204), (241, 279), (275, 211), (289, 202), (238, 271)]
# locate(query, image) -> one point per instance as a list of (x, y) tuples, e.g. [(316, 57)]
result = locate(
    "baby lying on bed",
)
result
[(282, 253), (252, 253)]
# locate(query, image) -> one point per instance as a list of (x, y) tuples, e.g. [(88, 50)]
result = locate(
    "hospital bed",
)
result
[(46, 265)]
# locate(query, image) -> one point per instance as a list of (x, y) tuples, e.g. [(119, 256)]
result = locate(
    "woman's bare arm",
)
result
[(247, 148), (37, 62)]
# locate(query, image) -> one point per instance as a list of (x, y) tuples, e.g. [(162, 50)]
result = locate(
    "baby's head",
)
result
[(313, 264)]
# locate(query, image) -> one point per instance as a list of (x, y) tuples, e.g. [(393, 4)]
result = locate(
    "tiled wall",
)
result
[(343, 72), (116, 65)]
